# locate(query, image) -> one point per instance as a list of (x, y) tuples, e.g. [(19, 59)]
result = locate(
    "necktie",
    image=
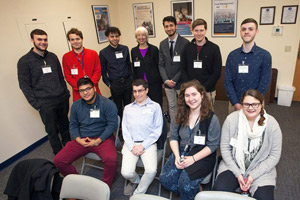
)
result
[(171, 49)]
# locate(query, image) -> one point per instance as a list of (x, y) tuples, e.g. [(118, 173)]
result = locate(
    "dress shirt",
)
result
[(142, 123)]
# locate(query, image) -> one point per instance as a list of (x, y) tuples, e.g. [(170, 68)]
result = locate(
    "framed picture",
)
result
[(102, 22), (267, 15), (143, 16), (224, 15), (183, 11), (289, 14)]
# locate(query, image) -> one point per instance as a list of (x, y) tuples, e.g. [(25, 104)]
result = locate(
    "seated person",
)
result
[(250, 147), (141, 127), (93, 120), (194, 140)]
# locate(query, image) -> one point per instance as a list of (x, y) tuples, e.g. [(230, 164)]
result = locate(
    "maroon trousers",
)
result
[(73, 150)]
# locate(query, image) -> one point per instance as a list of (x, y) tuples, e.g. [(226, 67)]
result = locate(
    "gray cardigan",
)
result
[(262, 168)]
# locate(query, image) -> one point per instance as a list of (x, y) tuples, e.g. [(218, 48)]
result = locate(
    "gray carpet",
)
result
[(288, 181)]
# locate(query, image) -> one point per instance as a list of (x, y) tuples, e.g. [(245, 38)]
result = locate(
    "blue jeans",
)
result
[(178, 181)]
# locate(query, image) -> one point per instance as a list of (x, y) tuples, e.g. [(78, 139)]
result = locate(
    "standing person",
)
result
[(116, 69), (194, 140), (141, 127), (251, 148), (170, 50), (80, 62), (201, 60), (93, 120), (42, 82), (145, 58), (247, 67)]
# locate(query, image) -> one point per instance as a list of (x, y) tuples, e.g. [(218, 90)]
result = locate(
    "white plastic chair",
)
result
[(218, 195), (146, 197), (94, 156), (84, 187)]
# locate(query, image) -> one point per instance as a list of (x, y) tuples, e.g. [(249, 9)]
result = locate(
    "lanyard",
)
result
[(81, 63)]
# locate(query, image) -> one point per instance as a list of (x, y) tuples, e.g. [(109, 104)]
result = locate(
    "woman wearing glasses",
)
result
[(194, 139), (251, 148)]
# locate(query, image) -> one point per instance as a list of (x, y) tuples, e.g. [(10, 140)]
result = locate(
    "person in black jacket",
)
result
[(144, 59), (201, 60)]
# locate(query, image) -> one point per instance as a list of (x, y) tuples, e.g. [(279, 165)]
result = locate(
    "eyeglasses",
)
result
[(138, 91), (254, 105), (85, 90)]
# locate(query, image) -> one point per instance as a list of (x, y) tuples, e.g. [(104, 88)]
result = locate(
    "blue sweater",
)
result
[(81, 125)]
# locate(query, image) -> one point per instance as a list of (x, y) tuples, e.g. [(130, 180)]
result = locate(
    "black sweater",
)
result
[(37, 87), (211, 69)]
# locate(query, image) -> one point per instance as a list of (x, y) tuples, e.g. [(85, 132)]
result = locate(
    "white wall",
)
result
[(20, 124)]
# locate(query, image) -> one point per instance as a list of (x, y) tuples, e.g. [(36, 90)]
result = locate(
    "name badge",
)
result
[(46, 69), (199, 139), (119, 55), (243, 69), (146, 111), (198, 64), (233, 142), (176, 58), (74, 71), (95, 113), (137, 63)]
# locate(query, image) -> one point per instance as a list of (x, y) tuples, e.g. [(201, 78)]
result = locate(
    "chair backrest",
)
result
[(84, 187), (146, 197), (218, 195), (117, 140)]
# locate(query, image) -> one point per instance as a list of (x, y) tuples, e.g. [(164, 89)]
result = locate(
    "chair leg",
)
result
[(83, 165)]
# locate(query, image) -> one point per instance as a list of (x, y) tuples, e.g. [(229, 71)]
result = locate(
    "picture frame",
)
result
[(224, 18), (267, 15), (183, 11), (102, 21), (289, 14), (143, 14)]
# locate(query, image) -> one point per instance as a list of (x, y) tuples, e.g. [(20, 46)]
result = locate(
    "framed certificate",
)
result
[(289, 14), (267, 15)]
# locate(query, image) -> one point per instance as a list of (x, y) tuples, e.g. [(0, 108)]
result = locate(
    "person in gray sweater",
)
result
[(251, 147)]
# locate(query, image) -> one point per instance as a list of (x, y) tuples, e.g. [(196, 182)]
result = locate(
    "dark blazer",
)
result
[(148, 64), (170, 70)]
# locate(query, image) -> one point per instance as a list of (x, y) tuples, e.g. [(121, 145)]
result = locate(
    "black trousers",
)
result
[(155, 92), (227, 181), (121, 91), (55, 118)]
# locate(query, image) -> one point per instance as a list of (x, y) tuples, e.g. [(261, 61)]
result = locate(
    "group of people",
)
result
[(250, 139)]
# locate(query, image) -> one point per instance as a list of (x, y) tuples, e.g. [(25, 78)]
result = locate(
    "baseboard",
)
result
[(23, 153)]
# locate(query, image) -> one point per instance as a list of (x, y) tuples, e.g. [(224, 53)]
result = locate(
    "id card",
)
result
[(74, 71), (176, 58), (46, 69), (199, 139), (233, 142), (119, 55), (137, 63), (146, 111), (243, 69), (94, 113), (197, 64)]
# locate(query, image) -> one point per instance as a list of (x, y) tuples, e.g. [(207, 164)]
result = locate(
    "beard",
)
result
[(89, 101), (42, 50)]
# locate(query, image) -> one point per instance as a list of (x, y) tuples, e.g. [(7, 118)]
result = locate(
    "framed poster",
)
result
[(102, 22), (267, 15), (143, 16), (183, 11), (289, 14), (224, 15)]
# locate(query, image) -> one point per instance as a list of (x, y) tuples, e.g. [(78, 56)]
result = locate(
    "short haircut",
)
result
[(138, 82), (112, 29), (143, 31), (169, 19), (84, 81), (199, 22), (250, 20), (74, 31), (37, 32)]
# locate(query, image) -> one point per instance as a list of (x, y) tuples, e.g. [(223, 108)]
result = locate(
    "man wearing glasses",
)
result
[(93, 120), (247, 67), (141, 127)]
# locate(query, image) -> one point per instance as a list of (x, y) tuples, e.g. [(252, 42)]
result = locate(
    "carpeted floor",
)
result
[(288, 181)]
